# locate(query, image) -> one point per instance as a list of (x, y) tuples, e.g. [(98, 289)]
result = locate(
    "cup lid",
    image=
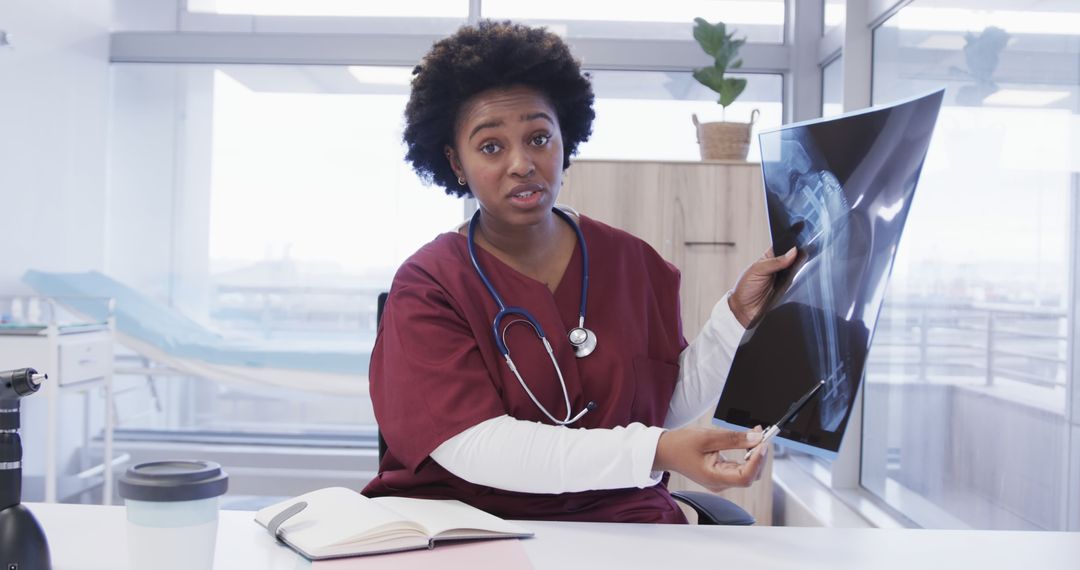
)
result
[(180, 480)]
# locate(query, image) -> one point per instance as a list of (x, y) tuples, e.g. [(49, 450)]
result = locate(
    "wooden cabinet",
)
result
[(707, 218)]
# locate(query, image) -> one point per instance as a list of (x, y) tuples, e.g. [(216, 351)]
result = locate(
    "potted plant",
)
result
[(721, 140)]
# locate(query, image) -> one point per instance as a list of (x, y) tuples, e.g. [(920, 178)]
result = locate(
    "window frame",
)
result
[(843, 477)]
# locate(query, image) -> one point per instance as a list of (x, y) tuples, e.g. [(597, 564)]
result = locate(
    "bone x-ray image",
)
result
[(839, 190)]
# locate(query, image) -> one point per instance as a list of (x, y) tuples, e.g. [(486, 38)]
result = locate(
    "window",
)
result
[(757, 20), (272, 204), (832, 88), (966, 417), (647, 115), (834, 15), (400, 8)]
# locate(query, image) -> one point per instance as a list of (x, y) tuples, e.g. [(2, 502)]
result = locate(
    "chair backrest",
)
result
[(380, 303)]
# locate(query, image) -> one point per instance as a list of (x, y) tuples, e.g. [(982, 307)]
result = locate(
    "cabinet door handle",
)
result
[(723, 243)]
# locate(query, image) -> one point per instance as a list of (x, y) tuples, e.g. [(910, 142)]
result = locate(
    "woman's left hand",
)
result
[(696, 453), (756, 284)]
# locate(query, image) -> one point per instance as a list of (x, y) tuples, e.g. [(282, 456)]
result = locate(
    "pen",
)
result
[(791, 412)]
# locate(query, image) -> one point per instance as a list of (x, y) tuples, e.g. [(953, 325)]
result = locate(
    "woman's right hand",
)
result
[(695, 453), (756, 285)]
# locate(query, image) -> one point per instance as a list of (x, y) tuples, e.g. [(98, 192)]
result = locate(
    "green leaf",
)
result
[(730, 88), (730, 46), (724, 48), (710, 77), (722, 58), (715, 41), (710, 37)]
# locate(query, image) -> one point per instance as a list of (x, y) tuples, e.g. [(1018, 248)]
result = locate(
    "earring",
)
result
[(461, 180)]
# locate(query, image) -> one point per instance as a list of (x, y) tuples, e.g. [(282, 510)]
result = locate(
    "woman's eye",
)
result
[(489, 148), (541, 140)]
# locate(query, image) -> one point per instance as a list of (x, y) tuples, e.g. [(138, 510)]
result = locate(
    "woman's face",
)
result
[(508, 146)]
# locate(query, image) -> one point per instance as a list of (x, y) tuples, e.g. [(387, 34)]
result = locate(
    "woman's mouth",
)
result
[(526, 195)]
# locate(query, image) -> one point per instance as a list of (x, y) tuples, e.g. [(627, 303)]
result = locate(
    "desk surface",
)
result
[(84, 537)]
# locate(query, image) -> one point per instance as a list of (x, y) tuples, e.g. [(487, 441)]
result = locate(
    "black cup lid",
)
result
[(182, 480)]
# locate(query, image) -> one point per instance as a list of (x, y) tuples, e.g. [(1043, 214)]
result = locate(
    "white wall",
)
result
[(54, 100)]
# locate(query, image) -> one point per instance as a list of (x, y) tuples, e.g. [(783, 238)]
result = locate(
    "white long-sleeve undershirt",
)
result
[(530, 457), (704, 366)]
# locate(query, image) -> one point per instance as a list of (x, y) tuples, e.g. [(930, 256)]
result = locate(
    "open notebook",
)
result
[(340, 522)]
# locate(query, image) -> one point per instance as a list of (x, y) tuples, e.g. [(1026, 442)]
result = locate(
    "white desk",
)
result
[(85, 537)]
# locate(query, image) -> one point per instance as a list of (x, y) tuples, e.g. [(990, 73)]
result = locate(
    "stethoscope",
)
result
[(581, 339)]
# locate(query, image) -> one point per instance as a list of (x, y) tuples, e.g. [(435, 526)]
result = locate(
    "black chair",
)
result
[(711, 509)]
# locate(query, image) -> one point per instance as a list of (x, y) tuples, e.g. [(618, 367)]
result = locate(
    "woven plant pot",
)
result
[(724, 140)]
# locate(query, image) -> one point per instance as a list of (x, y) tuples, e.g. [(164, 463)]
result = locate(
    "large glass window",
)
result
[(966, 418), (648, 115), (833, 15), (832, 87), (271, 204), (400, 8), (757, 20)]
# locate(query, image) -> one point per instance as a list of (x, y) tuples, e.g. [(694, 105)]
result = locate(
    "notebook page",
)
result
[(334, 515), (439, 516)]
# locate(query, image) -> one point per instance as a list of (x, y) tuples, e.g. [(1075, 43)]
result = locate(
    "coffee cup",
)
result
[(172, 513)]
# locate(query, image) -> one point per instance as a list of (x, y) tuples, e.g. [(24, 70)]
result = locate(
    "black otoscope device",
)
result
[(22, 542)]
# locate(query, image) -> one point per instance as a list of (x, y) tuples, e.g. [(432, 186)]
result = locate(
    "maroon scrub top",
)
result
[(436, 371)]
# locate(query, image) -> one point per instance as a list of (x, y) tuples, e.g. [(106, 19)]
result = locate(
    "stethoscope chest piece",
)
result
[(583, 340)]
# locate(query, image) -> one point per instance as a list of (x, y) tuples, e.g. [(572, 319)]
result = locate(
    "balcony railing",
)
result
[(273, 310), (989, 342)]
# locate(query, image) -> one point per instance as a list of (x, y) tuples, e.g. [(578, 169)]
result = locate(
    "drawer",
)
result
[(717, 205), (82, 360)]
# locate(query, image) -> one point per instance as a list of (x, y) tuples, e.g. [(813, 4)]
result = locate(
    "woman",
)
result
[(484, 413)]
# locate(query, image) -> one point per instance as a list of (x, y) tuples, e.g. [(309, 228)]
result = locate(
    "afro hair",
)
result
[(490, 55)]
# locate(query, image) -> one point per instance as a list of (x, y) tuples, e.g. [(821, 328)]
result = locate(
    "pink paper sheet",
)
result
[(507, 554)]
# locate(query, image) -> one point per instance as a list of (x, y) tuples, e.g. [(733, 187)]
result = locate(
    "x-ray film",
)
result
[(839, 190)]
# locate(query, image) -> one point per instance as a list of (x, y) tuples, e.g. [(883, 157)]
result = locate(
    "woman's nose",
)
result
[(521, 164)]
